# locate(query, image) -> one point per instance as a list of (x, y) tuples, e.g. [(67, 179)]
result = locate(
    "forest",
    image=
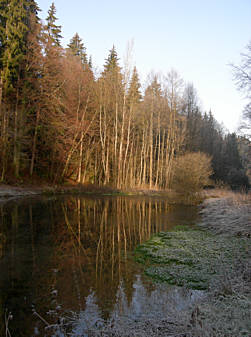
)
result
[(60, 121)]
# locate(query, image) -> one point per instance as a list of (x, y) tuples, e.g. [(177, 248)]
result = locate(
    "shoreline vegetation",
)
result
[(213, 257)]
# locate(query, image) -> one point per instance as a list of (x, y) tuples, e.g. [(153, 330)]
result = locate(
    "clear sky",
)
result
[(198, 38)]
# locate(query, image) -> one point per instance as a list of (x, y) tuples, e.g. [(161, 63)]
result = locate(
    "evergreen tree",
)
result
[(111, 65), (17, 20), (3, 40), (90, 62), (232, 156), (3, 17), (235, 175), (154, 89), (134, 94), (193, 118), (15, 48), (190, 100), (53, 30), (76, 47), (112, 77)]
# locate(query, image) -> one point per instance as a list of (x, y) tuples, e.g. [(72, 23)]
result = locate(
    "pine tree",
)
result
[(53, 30), (77, 48)]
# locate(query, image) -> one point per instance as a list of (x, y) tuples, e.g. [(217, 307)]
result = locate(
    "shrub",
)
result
[(237, 179), (191, 172)]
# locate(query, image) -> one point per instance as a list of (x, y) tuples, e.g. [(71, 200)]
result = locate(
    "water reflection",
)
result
[(73, 255)]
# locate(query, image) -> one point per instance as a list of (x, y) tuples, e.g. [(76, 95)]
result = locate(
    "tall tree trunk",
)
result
[(120, 169), (80, 158), (34, 144), (4, 141), (151, 151), (16, 145)]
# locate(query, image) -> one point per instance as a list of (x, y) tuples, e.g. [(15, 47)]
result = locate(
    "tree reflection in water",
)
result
[(73, 256)]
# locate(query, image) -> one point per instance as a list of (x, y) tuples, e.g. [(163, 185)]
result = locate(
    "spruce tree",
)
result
[(232, 155), (90, 62), (17, 20), (77, 48), (154, 89), (3, 40), (112, 62), (17, 25), (3, 17), (15, 48), (112, 76), (134, 94), (53, 30)]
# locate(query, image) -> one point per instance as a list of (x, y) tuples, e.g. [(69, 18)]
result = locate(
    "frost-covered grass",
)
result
[(227, 213), (218, 259), (191, 258)]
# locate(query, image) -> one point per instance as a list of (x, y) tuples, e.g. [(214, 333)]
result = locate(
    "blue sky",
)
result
[(196, 38)]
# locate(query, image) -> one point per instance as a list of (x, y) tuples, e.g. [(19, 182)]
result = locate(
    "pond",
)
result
[(69, 260)]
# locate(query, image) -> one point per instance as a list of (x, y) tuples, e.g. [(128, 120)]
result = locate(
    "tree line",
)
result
[(59, 121)]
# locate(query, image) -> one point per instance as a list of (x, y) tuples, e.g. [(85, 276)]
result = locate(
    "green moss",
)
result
[(190, 257)]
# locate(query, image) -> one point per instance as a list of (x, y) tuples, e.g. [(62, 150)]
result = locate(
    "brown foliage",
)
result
[(191, 172)]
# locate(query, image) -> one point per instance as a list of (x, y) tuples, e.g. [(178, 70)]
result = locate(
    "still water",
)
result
[(69, 260)]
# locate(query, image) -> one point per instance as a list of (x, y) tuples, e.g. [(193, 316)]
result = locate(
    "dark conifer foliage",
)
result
[(3, 18), (53, 30), (16, 28), (18, 18), (77, 48), (134, 94), (112, 61), (90, 62)]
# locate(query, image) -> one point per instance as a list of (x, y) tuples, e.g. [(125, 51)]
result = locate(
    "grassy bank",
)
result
[(190, 257), (214, 256)]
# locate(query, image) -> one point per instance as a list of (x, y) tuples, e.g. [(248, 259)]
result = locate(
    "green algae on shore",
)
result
[(191, 257)]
